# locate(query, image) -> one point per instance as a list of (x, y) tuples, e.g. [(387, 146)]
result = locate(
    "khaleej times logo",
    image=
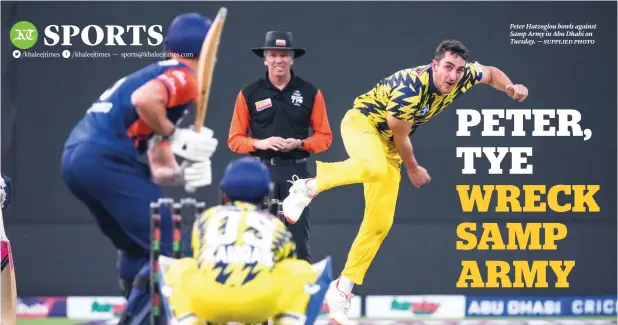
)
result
[(69, 41), (23, 36)]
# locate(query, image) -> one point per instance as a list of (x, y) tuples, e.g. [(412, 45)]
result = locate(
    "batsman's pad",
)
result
[(164, 263), (139, 304)]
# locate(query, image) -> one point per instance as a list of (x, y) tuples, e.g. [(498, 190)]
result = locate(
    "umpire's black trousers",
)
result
[(281, 171)]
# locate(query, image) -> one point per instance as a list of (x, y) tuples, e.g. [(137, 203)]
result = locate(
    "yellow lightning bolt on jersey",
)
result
[(237, 242), (410, 95)]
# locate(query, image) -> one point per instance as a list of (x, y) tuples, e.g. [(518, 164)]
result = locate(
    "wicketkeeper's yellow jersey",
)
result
[(236, 243), (410, 95)]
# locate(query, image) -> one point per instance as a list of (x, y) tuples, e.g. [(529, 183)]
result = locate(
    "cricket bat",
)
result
[(206, 67)]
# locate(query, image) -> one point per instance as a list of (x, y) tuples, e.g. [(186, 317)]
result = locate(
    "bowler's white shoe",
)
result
[(299, 198), (338, 304)]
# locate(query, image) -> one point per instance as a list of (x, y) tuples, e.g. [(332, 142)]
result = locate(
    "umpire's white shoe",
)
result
[(338, 304), (299, 198)]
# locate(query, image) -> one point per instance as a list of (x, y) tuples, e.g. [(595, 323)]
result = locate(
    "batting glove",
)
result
[(5, 188), (193, 146), (197, 174)]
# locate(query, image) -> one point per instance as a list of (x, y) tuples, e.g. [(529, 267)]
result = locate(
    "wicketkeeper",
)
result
[(244, 266)]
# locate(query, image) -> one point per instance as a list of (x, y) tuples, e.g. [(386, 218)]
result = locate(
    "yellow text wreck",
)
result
[(530, 198)]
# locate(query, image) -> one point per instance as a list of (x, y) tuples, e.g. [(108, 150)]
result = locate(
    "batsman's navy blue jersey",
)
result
[(112, 120)]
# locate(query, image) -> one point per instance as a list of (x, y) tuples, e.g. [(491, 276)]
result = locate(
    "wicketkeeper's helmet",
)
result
[(246, 179)]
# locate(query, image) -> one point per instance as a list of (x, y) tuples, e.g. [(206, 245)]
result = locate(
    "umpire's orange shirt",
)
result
[(262, 111)]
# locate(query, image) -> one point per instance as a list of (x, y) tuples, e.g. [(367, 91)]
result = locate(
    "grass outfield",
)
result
[(66, 321)]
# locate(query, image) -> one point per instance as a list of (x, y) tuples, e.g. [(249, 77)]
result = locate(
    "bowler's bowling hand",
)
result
[(517, 92), (272, 143), (418, 176)]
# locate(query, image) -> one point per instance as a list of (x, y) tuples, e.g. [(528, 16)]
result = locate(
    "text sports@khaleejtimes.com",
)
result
[(67, 54)]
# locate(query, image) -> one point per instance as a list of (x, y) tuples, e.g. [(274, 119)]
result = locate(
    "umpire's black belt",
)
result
[(275, 161)]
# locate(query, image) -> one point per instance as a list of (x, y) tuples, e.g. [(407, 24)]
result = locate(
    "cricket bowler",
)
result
[(103, 162), (8, 292), (244, 268), (376, 133)]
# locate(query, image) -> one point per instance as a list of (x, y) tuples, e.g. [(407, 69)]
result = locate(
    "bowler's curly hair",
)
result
[(451, 46)]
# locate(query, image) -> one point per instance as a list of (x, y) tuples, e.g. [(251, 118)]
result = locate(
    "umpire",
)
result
[(279, 109)]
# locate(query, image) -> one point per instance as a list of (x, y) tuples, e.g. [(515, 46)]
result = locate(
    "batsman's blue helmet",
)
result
[(246, 179), (186, 34)]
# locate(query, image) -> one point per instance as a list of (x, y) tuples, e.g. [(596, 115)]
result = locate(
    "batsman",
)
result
[(244, 267), (124, 149)]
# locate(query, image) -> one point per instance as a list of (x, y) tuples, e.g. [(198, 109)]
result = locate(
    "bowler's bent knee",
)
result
[(372, 172)]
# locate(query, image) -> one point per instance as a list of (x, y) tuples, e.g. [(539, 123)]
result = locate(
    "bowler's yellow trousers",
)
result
[(268, 296), (375, 163)]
